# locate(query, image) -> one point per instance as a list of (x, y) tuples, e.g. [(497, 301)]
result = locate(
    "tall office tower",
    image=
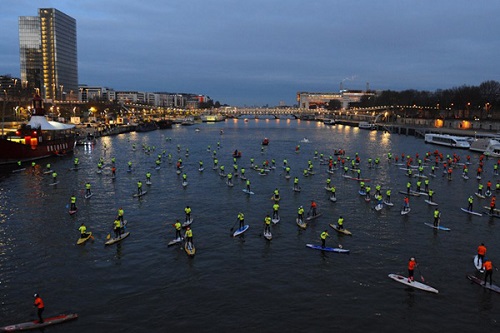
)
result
[(48, 54)]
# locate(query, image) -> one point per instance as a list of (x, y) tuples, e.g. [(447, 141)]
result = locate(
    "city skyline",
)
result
[(259, 53)]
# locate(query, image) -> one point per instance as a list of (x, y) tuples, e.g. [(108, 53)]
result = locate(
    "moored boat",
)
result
[(37, 139), (448, 140)]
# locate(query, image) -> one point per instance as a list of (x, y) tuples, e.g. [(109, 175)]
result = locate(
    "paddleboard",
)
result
[(87, 196), (275, 220), (48, 172), (479, 195), (378, 207), (480, 282), (140, 195), (201, 169), (309, 218), (328, 249), (478, 264), (301, 223), (116, 240), (333, 199), (268, 235), (189, 248), (175, 241), (36, 325), (296, 189), (404, 212), (413, 284), (363, 193), (52, 184), (188, 223), (18, 170), (184, 184), (72, 212), (465, 177), (388, 203), (432, 203), (229, 184), (83, 240), (342, 231), (148, 182), (471, 212), (360, 179), (488, 208), (247, 191), (438, 227), (241, 230), (413, 193)]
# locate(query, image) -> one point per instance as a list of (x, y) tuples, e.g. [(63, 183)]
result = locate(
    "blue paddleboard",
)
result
[(328, 249), (241, 230)]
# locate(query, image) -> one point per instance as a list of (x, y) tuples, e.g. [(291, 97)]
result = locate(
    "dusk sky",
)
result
[(263, 52)]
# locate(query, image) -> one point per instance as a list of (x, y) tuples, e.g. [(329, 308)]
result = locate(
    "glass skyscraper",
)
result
[(48, 54)]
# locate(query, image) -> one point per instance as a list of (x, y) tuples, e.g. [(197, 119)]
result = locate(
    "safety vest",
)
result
[(120, 212), (324, 234), (189, 233), (276, 207), (87, 186), (187, 210), (471, 200), (488, 265), (83, 229), (301, 211), (412, 264), (436, 213), (340, 221), (139, 184), (39, 303), (178, 225), (73, 199), (481, 249), (267, 220), (241, 217), (117, 224)]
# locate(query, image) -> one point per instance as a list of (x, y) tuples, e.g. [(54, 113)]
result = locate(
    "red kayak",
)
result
[(31, 325)]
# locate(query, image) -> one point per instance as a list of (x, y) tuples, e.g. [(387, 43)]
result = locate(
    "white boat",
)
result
[(329, 121), (480, 145), (367, 125), (493, 148), (448, 140)]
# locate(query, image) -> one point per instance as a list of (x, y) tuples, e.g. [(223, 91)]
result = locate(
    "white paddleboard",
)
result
[(140, 195), (241, 230), (404, 212), (247, 191), (432, 203), (413, 284), (471, 212)]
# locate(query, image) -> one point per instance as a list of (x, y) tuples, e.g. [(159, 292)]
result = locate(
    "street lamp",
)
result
[(61, 86)]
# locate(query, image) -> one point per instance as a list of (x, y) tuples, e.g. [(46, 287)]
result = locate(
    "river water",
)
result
[(242, 284)]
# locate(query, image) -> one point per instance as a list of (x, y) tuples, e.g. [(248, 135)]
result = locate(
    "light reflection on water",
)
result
[(149, 285)]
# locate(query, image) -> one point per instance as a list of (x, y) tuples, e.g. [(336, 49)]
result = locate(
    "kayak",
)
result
[(438, 227), (471, 212), (328, 249), (140, 195), (116, 240), (241, 230), (312, 217), (413, 284), (175, 241), (478, 264), (35, 325), (301, 223), (342, 231), (190, 249), (83, 240), (480, 282)]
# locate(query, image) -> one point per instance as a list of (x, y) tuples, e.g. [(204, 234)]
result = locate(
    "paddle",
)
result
[(421, 276), (232, 228)]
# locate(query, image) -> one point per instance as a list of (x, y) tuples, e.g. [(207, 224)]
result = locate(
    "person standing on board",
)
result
[(437, 215), (139, 188), (54, 177), (187, 210), (120, 214), (313, 208), (276, 208), (492, 205), (406, 204), (488, 271), (83, 231), (411, 268), (481, 252), (87, 189), (296, 183), (148, 177), (189, 235), (241, 219), (323, 236), (73, 202), (248, 185), (388, 195), (117, 228), (267, 224), (39, 307), (340, 223), (471, 201), (300, 213), (178, 226)]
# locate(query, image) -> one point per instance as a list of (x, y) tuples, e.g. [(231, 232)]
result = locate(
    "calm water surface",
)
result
[(242, 284)]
